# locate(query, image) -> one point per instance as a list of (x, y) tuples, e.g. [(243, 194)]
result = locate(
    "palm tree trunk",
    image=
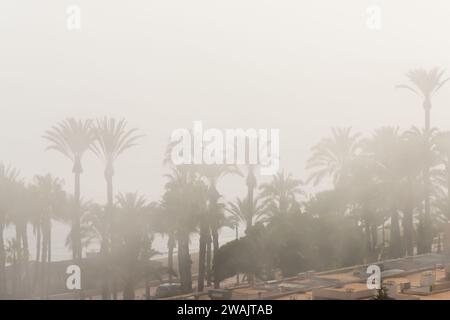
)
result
[(44, 269), (106, 294), (249, 217), (15, 272), (171, 244), (184, 262), (78, 250), (76, 238), (26, 255), (49, 261), (366, 236), (427, 236), (208, 259), (395, 242), (19, 268), (3, 290), (113, 246), (408, 221), (202, 255), (373, 230), (38, 257), (215, 237), (427, 220)]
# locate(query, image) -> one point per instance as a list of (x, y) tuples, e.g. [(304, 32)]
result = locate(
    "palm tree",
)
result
[(164, 223), (423, 141), (50, 198), (94, 230), (185, 195), (133, 237), (426, 84), (73, 138), (384, 150), (19, 217), (8, 177), (112, 138), (442, 142), (209, 224), (332, 157), (280, 196), (243, 212)]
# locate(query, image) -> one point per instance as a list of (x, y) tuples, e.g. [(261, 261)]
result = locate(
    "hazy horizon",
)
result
[(300, 67)]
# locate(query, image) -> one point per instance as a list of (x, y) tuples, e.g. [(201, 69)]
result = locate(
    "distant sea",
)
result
[(61, 230)]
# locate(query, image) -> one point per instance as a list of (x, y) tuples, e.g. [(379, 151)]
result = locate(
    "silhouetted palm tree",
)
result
[(280, 196), (245, 213), (112, 138), (426, 84), (210, 220), (332, 157), (50, 199), (8, 177), (442, 142), (384, 149), (73, 138), (423, 140), (133, 235), (186, 196)]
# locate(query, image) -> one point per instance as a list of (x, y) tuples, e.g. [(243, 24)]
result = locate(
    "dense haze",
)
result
[(321, 73), (300, 66)]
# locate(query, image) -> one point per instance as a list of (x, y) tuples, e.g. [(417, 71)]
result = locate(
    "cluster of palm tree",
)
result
[(23, 205), (388, 192)]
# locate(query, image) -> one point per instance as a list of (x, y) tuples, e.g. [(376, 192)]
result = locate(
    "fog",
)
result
[(300, 66)]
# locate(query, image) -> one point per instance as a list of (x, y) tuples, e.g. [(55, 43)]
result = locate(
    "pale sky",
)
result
[(299, 66)]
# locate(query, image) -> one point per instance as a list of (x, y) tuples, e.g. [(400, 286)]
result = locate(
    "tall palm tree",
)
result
[(8, 177), (19, 218), (73, 138), (209, 224), (112, 138), (423, 141), (186, 196), (50, 199), (425, 85), (332, 157), (384, 149)]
